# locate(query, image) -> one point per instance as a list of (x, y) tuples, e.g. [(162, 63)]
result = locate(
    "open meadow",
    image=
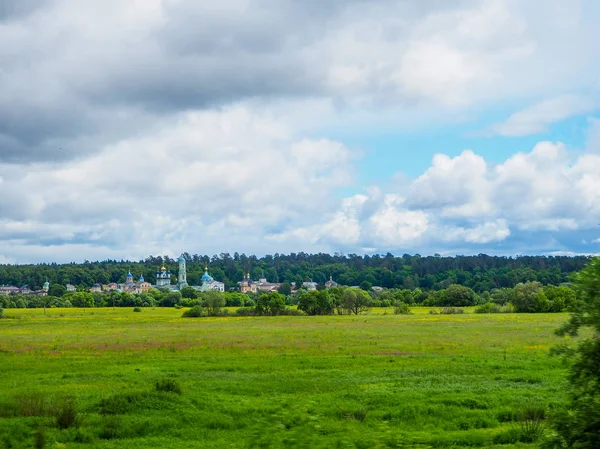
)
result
[(374, 380)]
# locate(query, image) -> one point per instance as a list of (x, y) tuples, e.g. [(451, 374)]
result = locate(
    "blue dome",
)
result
[(181, 259), (129, 275), (141, 278), (206, 277)]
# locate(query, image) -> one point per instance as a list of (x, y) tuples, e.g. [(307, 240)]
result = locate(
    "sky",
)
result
[(148, 127)]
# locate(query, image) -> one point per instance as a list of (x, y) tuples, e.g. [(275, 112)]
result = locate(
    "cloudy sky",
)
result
[(262, 126)]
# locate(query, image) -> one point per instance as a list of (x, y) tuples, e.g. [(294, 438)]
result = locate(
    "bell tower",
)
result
[(182, 276)]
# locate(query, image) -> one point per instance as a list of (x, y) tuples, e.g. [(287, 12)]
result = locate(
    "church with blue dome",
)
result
[(163, 279), (208, 283)]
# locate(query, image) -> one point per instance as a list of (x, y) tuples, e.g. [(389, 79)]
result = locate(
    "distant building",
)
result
[(9, 290), (71, 288), (163, 277), (208, 283), (163, 280), (182, 274), (145, 286), (309, 285), (330, 283), (96, 288), (112, 286), (247, 285)]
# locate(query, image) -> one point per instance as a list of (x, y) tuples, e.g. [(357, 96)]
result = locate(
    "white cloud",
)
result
[(136, 129), (457, 186), (394, 226), (208, 178), (492, 231), (465, 200), (536, 119)]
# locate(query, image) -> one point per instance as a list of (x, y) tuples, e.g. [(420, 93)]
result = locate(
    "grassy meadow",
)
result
[(367, 381)]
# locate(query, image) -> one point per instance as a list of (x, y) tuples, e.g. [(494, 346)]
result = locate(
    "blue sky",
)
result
[(453, 127)]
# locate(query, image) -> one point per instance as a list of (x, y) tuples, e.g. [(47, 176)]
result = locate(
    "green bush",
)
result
[(64, 412), (531, 422), (32, 403), (245, 311), (39, 441), (194, 312), (290, 311), (137, 309), (401, 308), (168, 385), (1, 312), (111, 428), (117, 404), (452, 311), (189, 302), (489, 307)]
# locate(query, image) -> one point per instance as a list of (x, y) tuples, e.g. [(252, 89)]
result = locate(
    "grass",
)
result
[(375, 380)]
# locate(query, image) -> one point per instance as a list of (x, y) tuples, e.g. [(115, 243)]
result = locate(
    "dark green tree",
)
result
[(285, 289), (57, 290), (561, 298), (529, 297), (82, 299), (170, 299), (355, 301), (457, 296), (579, 425), (271, 303), (188, 292), (213, 301), (316, 303), (366, 286)]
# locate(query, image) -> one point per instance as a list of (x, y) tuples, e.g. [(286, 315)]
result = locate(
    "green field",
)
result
[(375, 380)]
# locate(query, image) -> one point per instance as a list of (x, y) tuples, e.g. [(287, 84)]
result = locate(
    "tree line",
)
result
[(528, 297), (480, 273)]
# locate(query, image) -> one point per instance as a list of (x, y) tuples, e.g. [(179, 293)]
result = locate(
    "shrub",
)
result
[(489, 307), (39, 441), (1, 312), (137, 309), (510, 436), (401, 308), (506, 415), (433, 312), (452, 311), (177, 306), (456, 296), (30, 404), (290, 311), (64, 412), (245, 311), (194, 312), (531, 422), (168, 385), (110, 428), (187, 302), (116, 404)]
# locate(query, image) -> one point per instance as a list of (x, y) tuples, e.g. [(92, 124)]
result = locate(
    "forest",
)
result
[(481, 273)]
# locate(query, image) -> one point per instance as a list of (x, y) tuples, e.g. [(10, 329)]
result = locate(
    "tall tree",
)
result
[(579, 425)]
